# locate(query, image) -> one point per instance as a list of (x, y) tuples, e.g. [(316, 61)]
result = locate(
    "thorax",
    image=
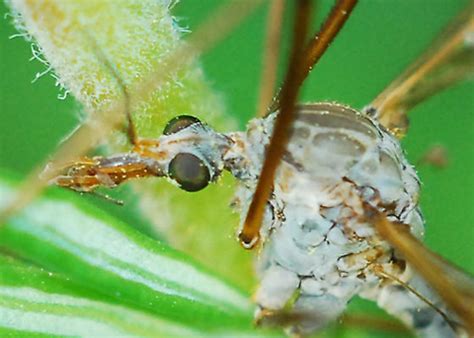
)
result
[(336, 159)]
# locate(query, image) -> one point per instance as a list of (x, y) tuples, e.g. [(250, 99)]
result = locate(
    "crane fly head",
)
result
[(196, 154), (192, 152)]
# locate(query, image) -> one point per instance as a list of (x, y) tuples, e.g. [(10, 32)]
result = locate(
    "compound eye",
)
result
[(189, 171), (179, 123)]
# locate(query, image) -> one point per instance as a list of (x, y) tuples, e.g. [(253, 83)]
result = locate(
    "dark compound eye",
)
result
[(178, 123), (189, 171)]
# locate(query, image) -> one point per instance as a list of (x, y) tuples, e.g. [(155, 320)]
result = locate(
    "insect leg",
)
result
[(426, 264), (371, 322), (250, 232), (285, 319), (284, 300), (301, 62), (320, 42), (87, 135), (379, 270), (270, 57), (449, 60), (131, 130)]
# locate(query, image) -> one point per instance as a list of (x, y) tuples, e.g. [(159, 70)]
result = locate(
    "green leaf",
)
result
[(64, 234), (138, 38), (42, 303)]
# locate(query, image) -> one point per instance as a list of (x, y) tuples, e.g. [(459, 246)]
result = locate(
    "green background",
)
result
[(380, 39)]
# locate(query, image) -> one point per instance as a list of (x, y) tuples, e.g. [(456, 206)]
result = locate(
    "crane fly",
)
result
[(333, 207)]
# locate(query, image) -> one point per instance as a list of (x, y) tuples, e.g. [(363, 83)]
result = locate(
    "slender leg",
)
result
[(414, 303), (270, 57), (320, 42), (300, 65), (449, 60), (131, 131), (87, 135), (458, 297), (250, 232)]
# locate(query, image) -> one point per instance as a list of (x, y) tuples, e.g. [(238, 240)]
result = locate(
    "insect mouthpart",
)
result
[(189, 153)]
